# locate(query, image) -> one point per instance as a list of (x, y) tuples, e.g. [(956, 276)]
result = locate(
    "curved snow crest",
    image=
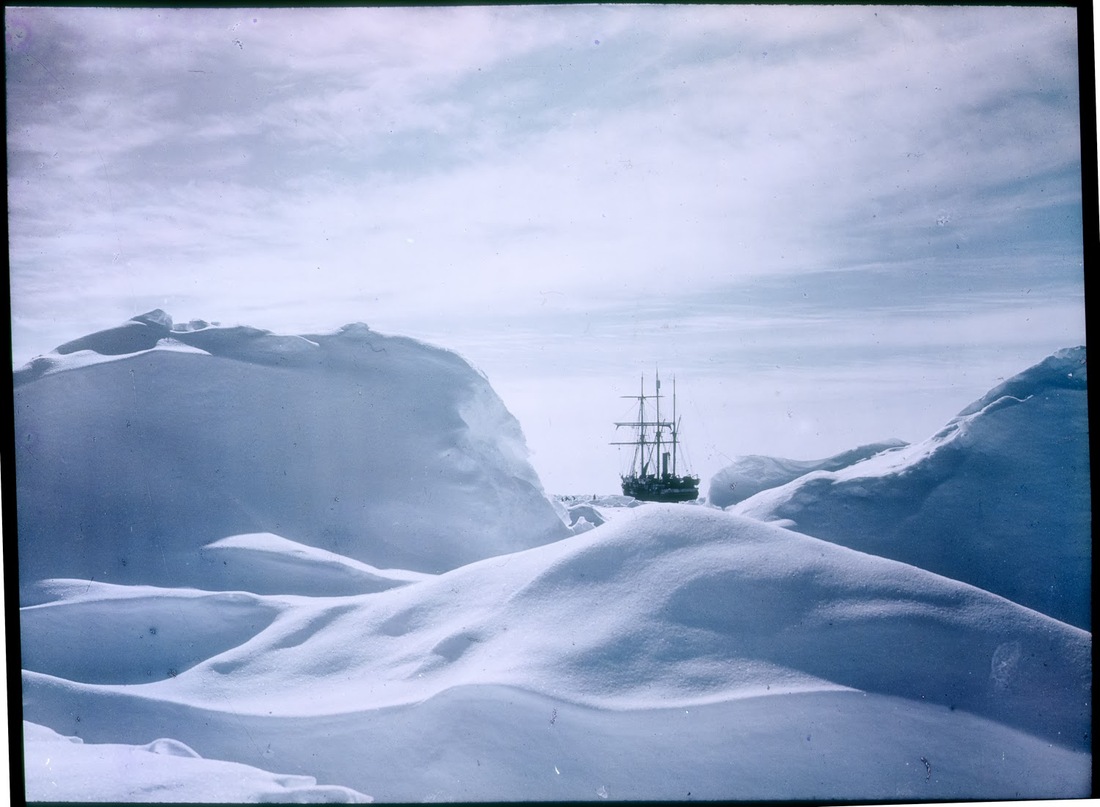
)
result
[(519, 745), (662, 606), (1064, 369), (377, 448), (77, 359), (60, 768), (265, 563), (667, 623), (99, 633), (155, 330), (750, 474), (998, 498)]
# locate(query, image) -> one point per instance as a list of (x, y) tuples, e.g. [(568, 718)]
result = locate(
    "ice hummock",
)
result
[(1000, 497), (659, 652), (752, 473), (139, 445), (161, 771), (670, 650)]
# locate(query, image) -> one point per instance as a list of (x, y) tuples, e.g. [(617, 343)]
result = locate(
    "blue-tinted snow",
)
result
[(225, 599), (382, 449), (1000, 497)]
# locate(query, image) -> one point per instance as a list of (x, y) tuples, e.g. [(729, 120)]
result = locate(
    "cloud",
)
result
[(735, 160), (557, 188)]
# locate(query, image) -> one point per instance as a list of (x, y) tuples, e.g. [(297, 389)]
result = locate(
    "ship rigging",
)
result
[(656, 447)]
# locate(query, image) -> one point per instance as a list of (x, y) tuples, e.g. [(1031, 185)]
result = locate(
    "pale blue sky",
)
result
[(835, 225)]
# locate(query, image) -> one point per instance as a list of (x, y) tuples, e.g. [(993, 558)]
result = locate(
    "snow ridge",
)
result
[(381, 449), (752, 473), (223, 598), (998, 498), (665, 622)]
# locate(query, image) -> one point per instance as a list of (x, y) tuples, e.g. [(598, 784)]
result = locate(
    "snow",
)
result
[(469, 651), (270, 564), (998, 498), (66, 769), (602, 654), (750, 474), (377, 448)]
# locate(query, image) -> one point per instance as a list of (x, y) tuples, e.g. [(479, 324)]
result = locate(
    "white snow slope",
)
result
[(749, 474), (671, 651), (139, 445), (999, 498), (666, 652), (161, 771)]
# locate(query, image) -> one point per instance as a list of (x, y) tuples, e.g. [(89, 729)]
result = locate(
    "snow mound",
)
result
[(264, 563), (106, 634), (585, 512), (609, 656), (1064, 370), (748, 475), (139, 333), (486, 744), (139, 446), (999, 498), (61, 769), (215, 533), (664, 606)]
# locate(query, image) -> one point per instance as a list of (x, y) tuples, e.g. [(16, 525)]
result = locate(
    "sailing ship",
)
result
[(653, 473)]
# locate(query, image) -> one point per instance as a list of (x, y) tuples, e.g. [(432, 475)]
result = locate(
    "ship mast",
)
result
[(675, 426), (639, 452), (657, 442), (650, 478), (646, 451)]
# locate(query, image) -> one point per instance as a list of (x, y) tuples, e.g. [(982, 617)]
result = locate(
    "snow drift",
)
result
[(672, 652), (752, 473), (319, 568), (998, 498), (162, 771), (139, 445)]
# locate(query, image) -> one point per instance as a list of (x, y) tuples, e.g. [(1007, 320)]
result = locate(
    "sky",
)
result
[(832, 225)]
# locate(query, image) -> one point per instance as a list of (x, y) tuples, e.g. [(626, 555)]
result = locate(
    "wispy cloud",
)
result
[(897, 177)]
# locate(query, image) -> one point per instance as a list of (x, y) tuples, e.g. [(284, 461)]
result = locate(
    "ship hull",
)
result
[(652, 476), (661, 488)]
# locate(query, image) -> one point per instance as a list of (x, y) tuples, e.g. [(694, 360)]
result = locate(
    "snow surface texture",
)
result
[(161, 771), (659, 652), (139, 445), (998, 498), (673, 650), (752, 473)]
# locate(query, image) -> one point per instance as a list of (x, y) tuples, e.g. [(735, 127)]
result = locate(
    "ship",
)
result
[(654, 474)]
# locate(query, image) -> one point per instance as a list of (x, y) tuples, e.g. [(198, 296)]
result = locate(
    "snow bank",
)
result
[(583, 513), (750, 474), (671, 650), (138, 446), (326, 556), (270, 564), (103, 633), (485, 744), (67, 769), (998, 498)]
